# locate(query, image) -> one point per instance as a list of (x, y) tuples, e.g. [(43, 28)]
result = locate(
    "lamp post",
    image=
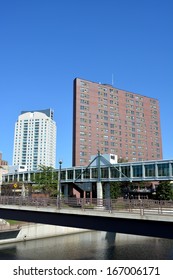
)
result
[(15, 182), (59, 189)]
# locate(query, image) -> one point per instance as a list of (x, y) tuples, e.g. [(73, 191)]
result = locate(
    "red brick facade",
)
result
[(114, 121), (2, 162)]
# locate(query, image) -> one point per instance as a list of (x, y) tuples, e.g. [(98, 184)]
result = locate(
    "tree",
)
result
[(46, 180), (115, 190), (164, 191)]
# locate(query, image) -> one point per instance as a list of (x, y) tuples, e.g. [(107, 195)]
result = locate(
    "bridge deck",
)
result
[(137, 219)]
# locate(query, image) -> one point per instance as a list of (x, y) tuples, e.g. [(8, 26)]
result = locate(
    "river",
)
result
[(89, 246)]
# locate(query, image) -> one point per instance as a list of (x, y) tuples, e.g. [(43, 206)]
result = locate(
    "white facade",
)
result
[(35, 139), (16, 168), (111, 158)]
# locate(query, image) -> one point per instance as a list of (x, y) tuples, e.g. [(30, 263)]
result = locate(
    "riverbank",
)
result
[(18, 232), (34, 231)]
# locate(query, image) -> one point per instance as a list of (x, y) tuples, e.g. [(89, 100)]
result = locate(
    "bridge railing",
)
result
[(140, 206), (27, 201)]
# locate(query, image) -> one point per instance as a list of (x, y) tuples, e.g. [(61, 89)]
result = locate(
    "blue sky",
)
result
[(45, 44)]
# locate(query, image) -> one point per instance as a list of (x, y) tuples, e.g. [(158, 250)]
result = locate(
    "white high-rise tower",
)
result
[(35, 139)]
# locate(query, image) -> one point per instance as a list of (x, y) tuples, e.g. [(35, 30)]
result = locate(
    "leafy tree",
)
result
[(115, 190), (46, 180), (164, 191)]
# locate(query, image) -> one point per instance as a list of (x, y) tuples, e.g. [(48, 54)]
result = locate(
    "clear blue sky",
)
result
[(45, 44)]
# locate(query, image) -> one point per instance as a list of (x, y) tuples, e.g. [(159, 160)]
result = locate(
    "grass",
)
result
[(14, 222)]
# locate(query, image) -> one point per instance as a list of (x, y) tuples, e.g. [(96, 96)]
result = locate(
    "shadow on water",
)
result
[(131, 247), (110, 237), (8, 252), (93, 245)]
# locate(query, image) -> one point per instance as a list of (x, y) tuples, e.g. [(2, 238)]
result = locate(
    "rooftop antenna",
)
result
[(112, 79)]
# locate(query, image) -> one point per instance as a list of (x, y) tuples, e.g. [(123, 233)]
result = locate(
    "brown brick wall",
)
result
[(114, 121)]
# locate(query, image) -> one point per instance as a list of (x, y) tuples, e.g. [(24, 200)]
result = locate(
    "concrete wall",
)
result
[(37, 231)]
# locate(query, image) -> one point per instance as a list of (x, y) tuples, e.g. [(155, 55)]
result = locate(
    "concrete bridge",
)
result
[(139, 217)]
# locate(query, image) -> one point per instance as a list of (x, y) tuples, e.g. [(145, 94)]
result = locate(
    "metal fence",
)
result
[(138, 206)]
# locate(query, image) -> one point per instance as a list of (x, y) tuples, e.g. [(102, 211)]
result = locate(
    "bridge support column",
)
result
[(107, 190), (65, 191), (110, 236), (99, 194), (107, 195), (84, 194), (23, 190)]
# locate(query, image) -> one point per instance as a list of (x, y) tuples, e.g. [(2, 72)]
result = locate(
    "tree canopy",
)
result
[(115, 190), (164, 191), (46, 180)]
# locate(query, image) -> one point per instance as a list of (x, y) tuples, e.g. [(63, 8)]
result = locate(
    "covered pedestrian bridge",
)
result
[(91, 178), (129, 171)]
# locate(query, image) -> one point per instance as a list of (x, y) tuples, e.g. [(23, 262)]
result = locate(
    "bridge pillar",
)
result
[(99, 190), (107, 196), (99, 194), (107, 190), (99, 183), (110, 237), (23, 190), (65, 190)]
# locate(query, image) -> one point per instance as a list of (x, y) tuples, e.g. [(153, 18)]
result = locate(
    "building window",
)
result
[(149, 170), (137, 171), (163, 169)]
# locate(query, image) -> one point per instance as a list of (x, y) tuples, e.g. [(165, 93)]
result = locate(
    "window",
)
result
[(149, 170), (137, 171), (115, 173), (163, 169), (104, 173), (125, 171)]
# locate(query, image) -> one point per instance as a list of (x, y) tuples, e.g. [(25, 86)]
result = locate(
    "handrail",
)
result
[(140, 206)]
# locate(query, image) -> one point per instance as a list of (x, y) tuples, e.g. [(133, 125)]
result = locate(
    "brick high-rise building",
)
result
[(2, 162), (114, 121)]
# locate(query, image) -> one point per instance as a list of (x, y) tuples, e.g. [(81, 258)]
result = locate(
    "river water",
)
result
[(90, 246)]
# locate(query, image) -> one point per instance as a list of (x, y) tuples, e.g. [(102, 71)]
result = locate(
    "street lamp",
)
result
[(59, 189), (15, 182)]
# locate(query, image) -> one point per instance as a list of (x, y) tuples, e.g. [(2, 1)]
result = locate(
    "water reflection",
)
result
[(90, 246)]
